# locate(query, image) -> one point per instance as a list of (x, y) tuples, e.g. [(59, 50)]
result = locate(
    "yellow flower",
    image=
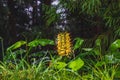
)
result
[(64, 44)]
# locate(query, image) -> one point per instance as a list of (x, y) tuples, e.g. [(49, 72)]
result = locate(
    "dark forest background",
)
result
[(30, 19)]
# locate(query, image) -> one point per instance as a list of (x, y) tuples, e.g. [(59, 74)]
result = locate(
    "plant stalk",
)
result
[(2, 45)]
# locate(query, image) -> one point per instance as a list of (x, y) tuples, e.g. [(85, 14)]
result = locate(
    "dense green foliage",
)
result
[(28, 51), (91, 64)]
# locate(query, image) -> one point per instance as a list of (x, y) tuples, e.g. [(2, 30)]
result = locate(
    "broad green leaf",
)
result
[(76, 64), (42, 42), (60, 65), (96, 51), (115, 45), (78, 43), (16, 45), (98, 42)]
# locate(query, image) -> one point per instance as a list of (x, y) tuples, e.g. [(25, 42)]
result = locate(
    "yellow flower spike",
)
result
[(64, 44), (68, 44)]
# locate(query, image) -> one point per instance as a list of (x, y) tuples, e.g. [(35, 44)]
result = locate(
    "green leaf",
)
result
[(100, 63), (78, 43), (87, 49), (115, 45), (76, 64), (96, 51), (111, 59), (60, 65), (117, 75), (16, 45), (98, 42), (42, 42)]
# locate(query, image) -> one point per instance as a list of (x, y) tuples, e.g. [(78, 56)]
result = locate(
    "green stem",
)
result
[(2, 48)]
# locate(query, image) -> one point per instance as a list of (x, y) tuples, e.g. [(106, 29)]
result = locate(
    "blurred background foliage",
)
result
[(31, 19)]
